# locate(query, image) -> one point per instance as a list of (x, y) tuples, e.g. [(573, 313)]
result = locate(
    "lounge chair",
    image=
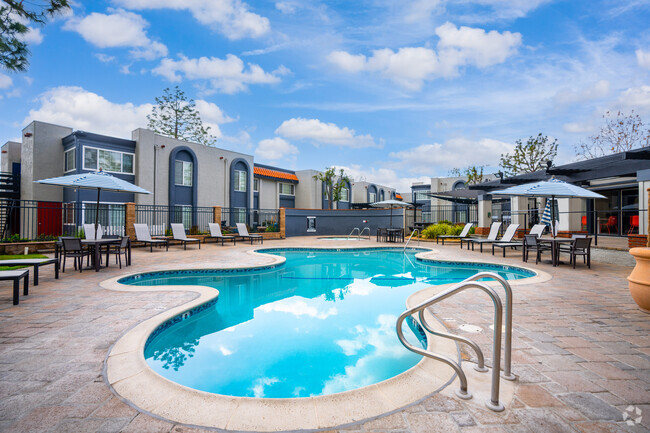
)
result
[(462, 234), (492, 237), (15, 276), (494, 231), (89, 231), (179, 235), (537, 230), (142, 235), (244, 235), (36, 263), (215, 233)]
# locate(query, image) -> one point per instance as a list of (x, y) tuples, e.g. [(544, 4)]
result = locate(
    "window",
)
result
[(373, 197), (183, 173), (239, 214), (240, 180), (345, 194), (183, 215), (256, 185), (108, 160), (422, 195), (69, 158), (287, 189)]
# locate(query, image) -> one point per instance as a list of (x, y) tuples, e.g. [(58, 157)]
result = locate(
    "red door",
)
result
[(49, 218)]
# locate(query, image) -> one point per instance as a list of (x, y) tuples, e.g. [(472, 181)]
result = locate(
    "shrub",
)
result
[(449, 223), (435, 230), (194, 230), (272, 228)]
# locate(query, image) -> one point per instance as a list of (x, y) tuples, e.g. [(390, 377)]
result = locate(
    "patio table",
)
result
[(555, 247), (96, 245), (393, 234)]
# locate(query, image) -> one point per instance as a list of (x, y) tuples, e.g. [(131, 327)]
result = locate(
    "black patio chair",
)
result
[(580, 247), (118, 250), (72, 247), (531, 242)]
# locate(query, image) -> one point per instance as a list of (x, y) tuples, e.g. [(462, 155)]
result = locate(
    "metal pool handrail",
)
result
[(363, 231), (409, 239), (357, 229), (463, 392)]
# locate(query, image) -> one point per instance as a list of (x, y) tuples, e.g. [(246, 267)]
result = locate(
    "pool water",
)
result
[(324, 322)]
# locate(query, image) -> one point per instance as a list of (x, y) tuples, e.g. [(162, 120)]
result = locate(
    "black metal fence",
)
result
[(254, 218), (159, 218), (46, 220), (460, 213)]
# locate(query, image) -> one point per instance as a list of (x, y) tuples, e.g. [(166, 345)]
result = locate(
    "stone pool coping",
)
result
[(130, 378)]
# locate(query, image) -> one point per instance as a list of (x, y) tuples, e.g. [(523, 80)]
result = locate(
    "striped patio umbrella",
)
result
[(549, 188), (546, 217), (98, 180)]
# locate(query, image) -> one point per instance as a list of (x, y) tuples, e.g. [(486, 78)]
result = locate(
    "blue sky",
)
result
[(394, 91)]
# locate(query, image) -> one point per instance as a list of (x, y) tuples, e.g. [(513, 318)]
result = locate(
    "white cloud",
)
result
[(275, 148), (424, 159), (326, 133), (260, 384), (298, 308), (578, 127), (420, 10), (411, 66), (80, 109), (636, 98), (33, 36), (119, 28), (643, 58), (232, 18), (383, 176), (228, 75), (598, 90), (5, 81), (212, 116), (104, 58), (286, 7)]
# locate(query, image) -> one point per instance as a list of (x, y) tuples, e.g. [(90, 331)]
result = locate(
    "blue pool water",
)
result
[(324, 322)]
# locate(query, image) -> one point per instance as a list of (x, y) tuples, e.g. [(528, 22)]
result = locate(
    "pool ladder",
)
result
[(471, 283), (360, 232), (409, 239)]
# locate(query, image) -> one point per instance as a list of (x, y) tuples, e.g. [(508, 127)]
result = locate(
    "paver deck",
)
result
[(581, 349)]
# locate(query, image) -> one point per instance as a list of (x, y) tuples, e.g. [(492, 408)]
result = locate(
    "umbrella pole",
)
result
[(391, 217), (97, 213), (553, 229)]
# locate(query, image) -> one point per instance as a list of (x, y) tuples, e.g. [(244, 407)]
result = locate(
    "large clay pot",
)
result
[(639, 279)]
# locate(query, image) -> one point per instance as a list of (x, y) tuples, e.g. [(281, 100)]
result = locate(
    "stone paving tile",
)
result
[(582, 351)]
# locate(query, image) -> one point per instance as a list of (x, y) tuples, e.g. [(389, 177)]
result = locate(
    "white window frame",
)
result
[(185, 211), (240, 215), (74, 160), (372, 199), (239, 174), (184, 163), (292, 188), (347, 194), (256, 184), (99, 149), (419, 195)]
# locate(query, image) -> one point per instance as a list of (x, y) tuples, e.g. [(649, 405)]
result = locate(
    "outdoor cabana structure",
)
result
[(622, 178)]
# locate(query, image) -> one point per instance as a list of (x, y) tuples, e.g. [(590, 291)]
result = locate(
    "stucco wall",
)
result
[(42, 158), (340, 222), (213, 173), (268, 197), (309, 193), (360, 191), (12, 155)]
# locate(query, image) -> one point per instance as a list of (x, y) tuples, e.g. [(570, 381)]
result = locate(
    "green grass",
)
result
[(19, 256)]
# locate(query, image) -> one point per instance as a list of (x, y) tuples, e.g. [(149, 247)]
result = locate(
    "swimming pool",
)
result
[(321, 323)]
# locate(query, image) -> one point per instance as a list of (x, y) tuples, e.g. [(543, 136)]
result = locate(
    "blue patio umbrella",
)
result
[(553, 188), (546, 216), (391, 204), (98, 180)]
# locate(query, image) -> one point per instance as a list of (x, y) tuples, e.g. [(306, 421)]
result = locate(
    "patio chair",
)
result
[(178, 231), (531, 243), (494, 231), (16, 276), (215, 233), (492, 236), (463, 234), (72, 247), (382, 234), (244, 235), (581, 246), (89, 231), (118, 250), (537, 230), (142, 235), (36, 263)]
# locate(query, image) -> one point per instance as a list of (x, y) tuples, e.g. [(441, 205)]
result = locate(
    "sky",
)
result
[(393, 91)]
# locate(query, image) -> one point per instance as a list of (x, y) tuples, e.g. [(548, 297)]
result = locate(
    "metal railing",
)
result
[(409, 239), (363, 231), (469, 283), (461, 213), (356, 229), (159, 218), (254, 218)]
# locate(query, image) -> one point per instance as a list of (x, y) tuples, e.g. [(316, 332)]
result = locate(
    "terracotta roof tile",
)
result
[(274, 174)]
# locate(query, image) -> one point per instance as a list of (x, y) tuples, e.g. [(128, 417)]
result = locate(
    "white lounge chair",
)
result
[(215, 233), (179, 235), (537, 230), (89, 231), (507, 237), (244, 235), (462, 234), (494, 231), (142, 235)]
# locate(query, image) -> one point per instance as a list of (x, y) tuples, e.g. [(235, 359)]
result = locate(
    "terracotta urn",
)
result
[(639, 279)]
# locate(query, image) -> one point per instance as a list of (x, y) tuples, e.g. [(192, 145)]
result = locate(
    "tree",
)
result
[(176, 116), (529, 157), (334, 184), (620, 133), (473, 173), (14, 19)]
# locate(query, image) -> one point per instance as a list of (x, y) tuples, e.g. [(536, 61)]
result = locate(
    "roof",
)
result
[(274, 174), (399, 196)]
